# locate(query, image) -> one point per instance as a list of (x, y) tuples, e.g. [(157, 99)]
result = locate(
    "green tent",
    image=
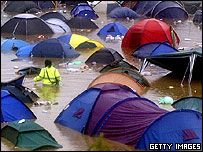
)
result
[(29, 135), (134, 74), (180, 63), (116, 65), (192, 103)]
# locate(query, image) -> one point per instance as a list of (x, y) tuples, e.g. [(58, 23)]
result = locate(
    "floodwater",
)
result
[(74, 83)]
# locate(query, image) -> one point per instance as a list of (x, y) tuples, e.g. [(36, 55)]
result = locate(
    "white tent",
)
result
[(58, 26)]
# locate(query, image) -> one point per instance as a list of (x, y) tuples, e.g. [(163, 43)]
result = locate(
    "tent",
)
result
[(133, 73), (161, 9), (192, 103), (123, 12), (117, 64), (47, 4), (28, 70), (22, 7), (121, 118), (12, 44), (154, 48), (81, 23), (104, 56), (180, 63), (143, 32), (197, 17), (129, 4), (179, 126), (50, 15), (13, 109), (103, 7), (54, 48), (71, 3), (18, 80), (26, 50), (26, 24), (58, 26), (120, 79), (22, 93), (29, 135), (191, 6), (90, 44), (83, 10), (113, 29), (73, 39)]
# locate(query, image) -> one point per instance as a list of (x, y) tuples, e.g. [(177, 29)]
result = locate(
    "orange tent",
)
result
[(118, 78)]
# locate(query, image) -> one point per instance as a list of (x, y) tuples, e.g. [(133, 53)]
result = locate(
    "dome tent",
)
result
[(26, 24)]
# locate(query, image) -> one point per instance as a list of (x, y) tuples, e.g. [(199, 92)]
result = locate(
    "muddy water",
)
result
[(74, 83)]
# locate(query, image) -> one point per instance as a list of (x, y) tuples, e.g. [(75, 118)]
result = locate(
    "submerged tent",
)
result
[(118, 78), (133, 73), (75, 114), (154, 48), (192, 103), (22, 93), (144, 32), (123, 12), (121, 118), (54, 48), (113, 29), (161, 9), (191, 6), (13, 109), (29, 135), (104, 56), (73, 39), (26, 24), (22, 7), (179, 126), (180, 63), (50, 15), (29, 70), (18, 80), (81, 23), (83, 10), (47, 4), (103, 7), (26, 50), (12, 44), (197, 17), (58, 26), (117, 64)]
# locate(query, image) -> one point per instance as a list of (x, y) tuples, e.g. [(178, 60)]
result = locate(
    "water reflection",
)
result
[(47, 93)]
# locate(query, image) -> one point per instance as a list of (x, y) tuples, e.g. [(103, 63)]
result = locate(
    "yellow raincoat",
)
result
[(53, 74)]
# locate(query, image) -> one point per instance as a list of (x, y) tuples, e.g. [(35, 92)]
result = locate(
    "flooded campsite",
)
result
[(126, 103)]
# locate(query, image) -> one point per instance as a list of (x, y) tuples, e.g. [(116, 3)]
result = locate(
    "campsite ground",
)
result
[(74, 83)]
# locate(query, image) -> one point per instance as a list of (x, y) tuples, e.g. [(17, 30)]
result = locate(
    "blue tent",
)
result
[(123, 12), (26, 50), (154, 48), (75, 115), (13, 109), (179, 126), (161, 9), (113, 29), (83, 10), (99, 109), (47, 4), (10, 44), (54, 48), (197, 17)]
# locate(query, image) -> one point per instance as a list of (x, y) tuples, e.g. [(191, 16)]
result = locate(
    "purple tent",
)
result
[(115, 110), (123, 120)]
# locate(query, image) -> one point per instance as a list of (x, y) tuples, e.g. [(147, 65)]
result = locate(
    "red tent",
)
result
[(147, 31)]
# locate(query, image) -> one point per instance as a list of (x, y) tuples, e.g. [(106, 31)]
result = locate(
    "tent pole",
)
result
[(185, 74), (192, 61), (144, 65)]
